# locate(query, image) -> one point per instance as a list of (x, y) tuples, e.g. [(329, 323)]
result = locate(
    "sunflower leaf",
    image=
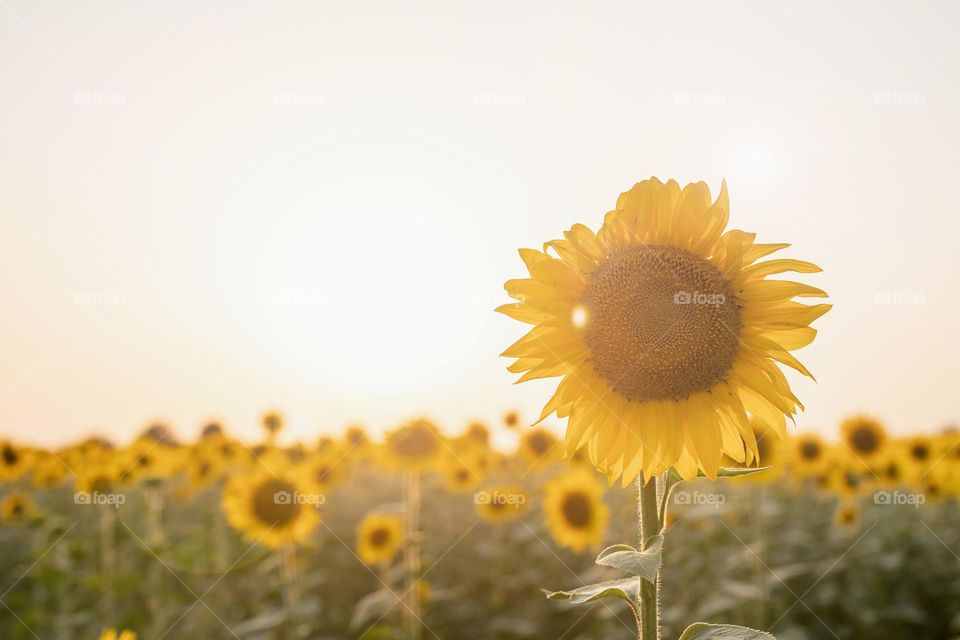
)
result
[(644, 564), (704, 631), (734, 472), (625, 589)]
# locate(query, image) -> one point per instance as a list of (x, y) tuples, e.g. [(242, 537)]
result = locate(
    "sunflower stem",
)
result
[(412, 594), (649, 596)]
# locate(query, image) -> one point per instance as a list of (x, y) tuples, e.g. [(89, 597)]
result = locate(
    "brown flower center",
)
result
[(379, 537), (577, 510), (662, 323), (810, 450), (864, 440), (274, 503)]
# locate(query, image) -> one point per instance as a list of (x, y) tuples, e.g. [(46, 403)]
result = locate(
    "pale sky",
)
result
[(208, 209)]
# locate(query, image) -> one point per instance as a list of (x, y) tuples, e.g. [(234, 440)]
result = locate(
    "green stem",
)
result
[(650, 526)]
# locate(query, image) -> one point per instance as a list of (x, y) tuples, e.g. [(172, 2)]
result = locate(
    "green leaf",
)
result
[(734, 472), (625, 589), (704, 631), (644, 563), (723, 472)]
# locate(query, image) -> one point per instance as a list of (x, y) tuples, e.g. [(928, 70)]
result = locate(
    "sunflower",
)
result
[(476, 435), (378, 538), (272, 423), (322, 471), (891, 467), (537, 445), (269, 508), (212, 429), (864, 436), (848, 479), (576, 513), (463, 472), (14, 461), (356, 438), (511, 419), (921, 453), (48, 471), (665, 332), (415, 445), (847, 516), (500, 503), (111, 634), (807, 455), (17, 507)]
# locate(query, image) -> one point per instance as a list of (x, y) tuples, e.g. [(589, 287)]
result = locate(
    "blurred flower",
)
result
[(847, 516), (807, 455), (14, 461), (864, 436), (501, 503), (537, 445), (272, 422), (378, 538), (415, 445), (511, 419), (665, 333), (17, 507), (269, 508), (576, 513), (111, 634), (463, 472)]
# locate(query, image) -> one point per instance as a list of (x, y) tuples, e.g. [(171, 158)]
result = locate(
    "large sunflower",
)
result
[(576, 513), (379, 538), (665, 331), (270, 508)]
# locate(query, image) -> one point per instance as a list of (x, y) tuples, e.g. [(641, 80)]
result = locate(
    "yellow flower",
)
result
[(576, 514), (415, 445), (807, 455), (14, 461), (921, 454), (378, 538), (511, 419), (464, 472), (847, 516), (864, 436), (356, 438), (272, 422), (273, 509), (111, 634), (500, 503), (48, 471), (322, 471), (665, 331), (538, 445), (477, 435), (17, 507), (891, 467)]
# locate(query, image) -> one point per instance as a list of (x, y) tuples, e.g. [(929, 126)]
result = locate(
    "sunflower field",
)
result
[(422, 535)]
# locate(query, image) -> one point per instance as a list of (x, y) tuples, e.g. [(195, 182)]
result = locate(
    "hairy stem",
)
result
[(649, 527)]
